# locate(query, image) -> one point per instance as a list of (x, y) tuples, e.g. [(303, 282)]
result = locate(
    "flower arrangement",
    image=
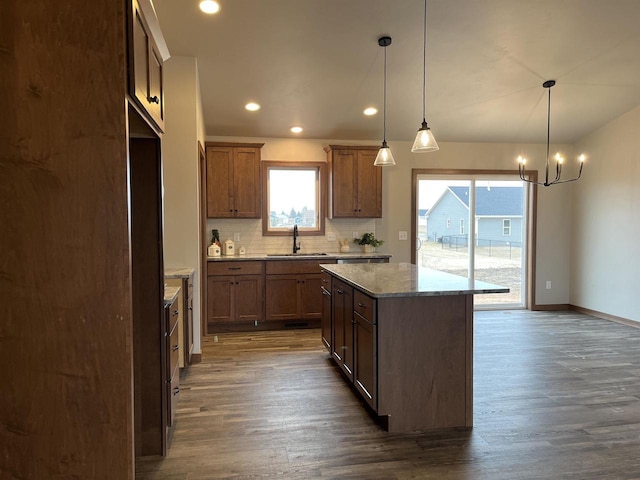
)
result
[(368, 239)]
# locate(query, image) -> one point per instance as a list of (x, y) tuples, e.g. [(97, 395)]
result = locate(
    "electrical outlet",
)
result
[(548, 284), (331, 237), (402, 235), (355, 235), (236, 237)]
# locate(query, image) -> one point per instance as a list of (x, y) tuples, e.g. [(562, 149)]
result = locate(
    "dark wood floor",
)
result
[(557, 396)]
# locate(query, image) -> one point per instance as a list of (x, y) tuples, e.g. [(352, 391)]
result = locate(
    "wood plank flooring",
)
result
[(557, 396)]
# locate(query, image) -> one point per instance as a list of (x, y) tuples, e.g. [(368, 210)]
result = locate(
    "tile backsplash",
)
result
[(250, 232)]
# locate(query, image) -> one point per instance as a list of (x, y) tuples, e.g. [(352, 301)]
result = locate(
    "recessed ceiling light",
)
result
[(296, 129), (252, 107), (209, 6), (370, 111)]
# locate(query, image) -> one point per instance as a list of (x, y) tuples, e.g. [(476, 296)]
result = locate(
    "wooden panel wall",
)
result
[(65, 333)]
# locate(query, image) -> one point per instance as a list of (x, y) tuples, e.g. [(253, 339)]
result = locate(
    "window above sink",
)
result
[(293, 194)]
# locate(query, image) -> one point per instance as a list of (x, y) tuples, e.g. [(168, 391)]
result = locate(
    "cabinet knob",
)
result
[(176, 391), (175, 312), (190, 309), (154, 99), (175, 347), (340, 292)]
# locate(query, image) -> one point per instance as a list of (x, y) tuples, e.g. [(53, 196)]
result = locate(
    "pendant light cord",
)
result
[(548, 133), (384, 100), (424, 66)]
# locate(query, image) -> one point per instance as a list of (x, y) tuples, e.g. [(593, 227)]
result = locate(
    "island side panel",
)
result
[(424, 377)]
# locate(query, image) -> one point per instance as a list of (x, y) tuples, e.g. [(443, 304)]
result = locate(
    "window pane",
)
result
[(293, 198)]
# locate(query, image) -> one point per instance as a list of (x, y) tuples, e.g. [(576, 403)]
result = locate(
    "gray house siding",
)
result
[(448, 207)]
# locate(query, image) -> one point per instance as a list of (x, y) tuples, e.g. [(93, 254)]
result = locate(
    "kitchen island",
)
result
[(404, 337)]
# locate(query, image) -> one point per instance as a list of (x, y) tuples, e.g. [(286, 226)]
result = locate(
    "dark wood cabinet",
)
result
[(233, 180), (325, 322), (172, 374), (184, 280), (355, 183), (364, 347), (342, 326), (293, 290), (235, 292), (146, 58)]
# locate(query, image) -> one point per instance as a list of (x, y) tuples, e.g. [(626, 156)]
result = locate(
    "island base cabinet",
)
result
[(425, 355), (325, 322)]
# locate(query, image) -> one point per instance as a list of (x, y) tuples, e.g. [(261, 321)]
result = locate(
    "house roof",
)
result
[(493, 201)]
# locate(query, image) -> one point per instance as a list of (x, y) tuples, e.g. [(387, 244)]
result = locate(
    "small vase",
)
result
[(368, 249)]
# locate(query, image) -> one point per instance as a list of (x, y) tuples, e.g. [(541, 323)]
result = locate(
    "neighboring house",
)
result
[(498, 215)]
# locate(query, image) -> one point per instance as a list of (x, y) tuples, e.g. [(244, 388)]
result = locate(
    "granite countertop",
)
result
[(298, 256), (178, 272), (406, 280), (170, 294)]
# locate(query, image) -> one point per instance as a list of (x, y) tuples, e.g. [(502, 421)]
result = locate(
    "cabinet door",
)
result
[(325, 323), (220, 307), (369, 185), (188, 332), (342, 297), (155, 95), (364, 369), (343, 180), (247, 188), (249, 292), (310, 296), (219, 182), (140, 56), (281, 297)]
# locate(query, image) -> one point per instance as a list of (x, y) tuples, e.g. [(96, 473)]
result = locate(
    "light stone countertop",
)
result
[(297, 256), (170, 294), (178, 272), (380, 280)]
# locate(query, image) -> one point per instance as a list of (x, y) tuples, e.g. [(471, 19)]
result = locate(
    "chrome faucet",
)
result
[(296, 244)]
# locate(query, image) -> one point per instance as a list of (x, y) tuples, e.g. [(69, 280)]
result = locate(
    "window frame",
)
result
[(321, 197)]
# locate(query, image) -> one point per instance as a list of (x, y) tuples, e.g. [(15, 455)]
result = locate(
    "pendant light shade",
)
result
[(425, 141), (384, 157)]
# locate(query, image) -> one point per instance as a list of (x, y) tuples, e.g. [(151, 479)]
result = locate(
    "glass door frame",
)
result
[(531, 212)]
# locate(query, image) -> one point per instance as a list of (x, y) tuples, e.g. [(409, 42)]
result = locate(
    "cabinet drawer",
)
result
[(325, 281), (295, 267), (173, 314), (364, 305), (235, 268), (173, 351)]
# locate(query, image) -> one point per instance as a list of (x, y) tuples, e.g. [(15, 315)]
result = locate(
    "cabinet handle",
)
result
[(175, 347), (362, 305), (235, 268), (175, 312), (176, 391), (154, 99), (190, 309), (340, 292)]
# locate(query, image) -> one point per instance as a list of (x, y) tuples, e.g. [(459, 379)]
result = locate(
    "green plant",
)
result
[(368, 239)]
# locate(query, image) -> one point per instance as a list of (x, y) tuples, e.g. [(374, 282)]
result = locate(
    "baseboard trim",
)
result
[(196, 358), (551, 308), (605, 316)]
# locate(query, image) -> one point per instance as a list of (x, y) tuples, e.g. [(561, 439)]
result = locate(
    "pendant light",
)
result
[(558, 157), (384, 157), (425, 141)]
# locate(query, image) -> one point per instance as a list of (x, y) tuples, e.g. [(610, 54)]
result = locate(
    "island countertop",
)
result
[(381, 280)]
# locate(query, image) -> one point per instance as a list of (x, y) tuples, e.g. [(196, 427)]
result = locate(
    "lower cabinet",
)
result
[(172, 358), (351, 335), (292, 290), (342, 326), (185, 314), (364, 347), (325, 321), (235, 292)]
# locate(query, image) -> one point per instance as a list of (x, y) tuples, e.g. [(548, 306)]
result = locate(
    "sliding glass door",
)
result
[(474, 226)]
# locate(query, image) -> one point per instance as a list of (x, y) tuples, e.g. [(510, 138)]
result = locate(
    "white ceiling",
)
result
[(317, 63)]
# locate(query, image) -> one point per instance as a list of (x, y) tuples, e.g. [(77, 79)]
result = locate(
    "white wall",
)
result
[(553, 202), (605, 263), (183, 128)]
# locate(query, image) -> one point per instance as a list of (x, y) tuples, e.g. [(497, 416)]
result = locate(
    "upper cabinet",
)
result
[(233, 180), (355, 183), (147, 52)]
